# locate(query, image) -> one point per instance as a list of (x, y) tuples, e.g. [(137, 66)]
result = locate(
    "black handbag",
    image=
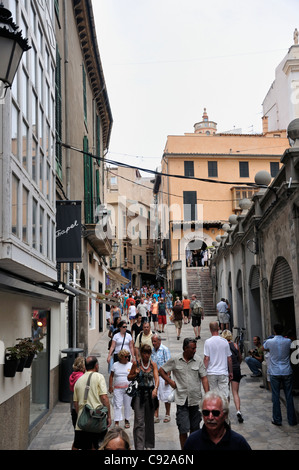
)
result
[(132, 388), (93, 419)]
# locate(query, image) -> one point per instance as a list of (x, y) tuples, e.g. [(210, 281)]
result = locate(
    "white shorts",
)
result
[(164, 390)]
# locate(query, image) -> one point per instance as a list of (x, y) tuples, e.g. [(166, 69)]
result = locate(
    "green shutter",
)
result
[(84, 94), (98, 138), (98, 201), (88, 184)]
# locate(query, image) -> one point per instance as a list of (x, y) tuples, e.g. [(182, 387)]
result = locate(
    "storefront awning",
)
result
[(97, 296), (118, 277)]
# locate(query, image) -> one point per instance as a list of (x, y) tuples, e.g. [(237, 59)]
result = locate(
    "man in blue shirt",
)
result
[(281, 373)]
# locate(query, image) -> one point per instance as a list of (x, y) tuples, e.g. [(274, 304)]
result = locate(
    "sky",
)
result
[(164, 61)]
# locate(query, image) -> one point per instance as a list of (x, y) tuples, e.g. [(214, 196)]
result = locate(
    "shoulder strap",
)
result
[(124, 341), (87, 387)]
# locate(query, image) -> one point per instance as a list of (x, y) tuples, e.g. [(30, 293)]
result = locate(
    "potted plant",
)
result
[(29, 349), (12, 360)]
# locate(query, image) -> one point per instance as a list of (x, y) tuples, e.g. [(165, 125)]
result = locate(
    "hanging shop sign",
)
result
[(68, 232)]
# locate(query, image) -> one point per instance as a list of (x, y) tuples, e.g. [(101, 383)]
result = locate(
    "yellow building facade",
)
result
[(206, 175)]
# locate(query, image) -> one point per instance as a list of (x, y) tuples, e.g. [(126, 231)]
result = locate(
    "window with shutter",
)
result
[(190, 205), (88, 184), (244, 169), (188, 168), (213, 169)]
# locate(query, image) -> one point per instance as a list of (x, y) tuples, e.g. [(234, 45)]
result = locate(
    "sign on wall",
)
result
[(68, 232)]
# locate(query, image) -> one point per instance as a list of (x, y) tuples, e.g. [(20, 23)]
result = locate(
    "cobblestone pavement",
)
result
[(256, 406)]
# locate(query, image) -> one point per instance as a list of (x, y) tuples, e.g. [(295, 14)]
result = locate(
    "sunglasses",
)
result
[(215, 413), (124, 326)]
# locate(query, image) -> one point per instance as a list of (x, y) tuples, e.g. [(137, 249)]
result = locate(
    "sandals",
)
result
[(166, 419)]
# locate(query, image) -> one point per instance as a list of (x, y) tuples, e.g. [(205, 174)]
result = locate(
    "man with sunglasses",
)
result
[(215, 434)]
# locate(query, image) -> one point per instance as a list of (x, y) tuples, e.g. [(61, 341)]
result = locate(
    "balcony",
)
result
[(99, 238)]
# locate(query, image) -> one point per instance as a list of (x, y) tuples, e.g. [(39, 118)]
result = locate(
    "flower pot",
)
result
[(10, 367), (21, 364), (29, 360)]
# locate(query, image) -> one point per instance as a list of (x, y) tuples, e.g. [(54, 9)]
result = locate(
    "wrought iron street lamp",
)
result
[(12, 47)]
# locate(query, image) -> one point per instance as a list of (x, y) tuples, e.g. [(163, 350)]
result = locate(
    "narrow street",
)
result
[(256, 406)]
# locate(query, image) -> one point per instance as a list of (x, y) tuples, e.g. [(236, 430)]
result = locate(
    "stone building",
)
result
[(55, 116), (257, 261), (204, 175)]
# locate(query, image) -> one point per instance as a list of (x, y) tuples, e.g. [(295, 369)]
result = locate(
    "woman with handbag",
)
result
[(118, 384), (145, 400), (121, 340)]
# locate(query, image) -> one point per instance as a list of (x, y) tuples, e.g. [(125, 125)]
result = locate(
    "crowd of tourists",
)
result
[(145, 379)]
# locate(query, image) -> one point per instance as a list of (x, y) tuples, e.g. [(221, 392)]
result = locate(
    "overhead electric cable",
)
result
[(154, 172)]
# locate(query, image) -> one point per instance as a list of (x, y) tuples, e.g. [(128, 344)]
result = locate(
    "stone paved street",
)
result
[(57, 433)]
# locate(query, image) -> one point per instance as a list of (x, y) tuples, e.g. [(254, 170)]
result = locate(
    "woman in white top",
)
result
[(118, 383), (121, 340)]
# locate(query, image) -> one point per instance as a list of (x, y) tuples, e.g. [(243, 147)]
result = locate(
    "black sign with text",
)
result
[(68, 232)]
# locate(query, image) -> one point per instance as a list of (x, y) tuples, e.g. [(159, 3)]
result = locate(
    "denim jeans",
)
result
[(286, 381), (254, 365)]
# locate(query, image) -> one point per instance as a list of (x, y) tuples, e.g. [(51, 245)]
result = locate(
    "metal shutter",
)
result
[(254, 281), (282, 281)]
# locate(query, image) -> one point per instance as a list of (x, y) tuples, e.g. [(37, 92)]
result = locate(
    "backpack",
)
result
[(197, 308)]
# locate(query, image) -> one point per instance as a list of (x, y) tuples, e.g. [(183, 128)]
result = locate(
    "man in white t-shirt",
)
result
[(218, 361)]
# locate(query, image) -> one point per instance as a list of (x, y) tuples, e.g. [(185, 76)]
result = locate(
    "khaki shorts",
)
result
[(219, 383)]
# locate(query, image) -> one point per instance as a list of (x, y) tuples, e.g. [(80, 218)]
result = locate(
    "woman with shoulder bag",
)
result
[(145, 401), (121, 340)]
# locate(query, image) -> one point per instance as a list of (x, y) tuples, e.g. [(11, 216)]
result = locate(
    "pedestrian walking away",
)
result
[(78, 371), (188, 374), (197, 315), (218, 361), (223, 315), (281, 375), (97, 396), (186, 309), (178, 317), (216, 433), (236, 365)]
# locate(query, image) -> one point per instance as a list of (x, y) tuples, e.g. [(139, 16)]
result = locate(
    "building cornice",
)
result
[(87, 35)]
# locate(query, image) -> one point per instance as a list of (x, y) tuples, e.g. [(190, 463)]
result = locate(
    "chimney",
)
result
[(265, 124)]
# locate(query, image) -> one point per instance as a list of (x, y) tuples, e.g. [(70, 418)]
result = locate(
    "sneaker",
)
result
[(240, 417)]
